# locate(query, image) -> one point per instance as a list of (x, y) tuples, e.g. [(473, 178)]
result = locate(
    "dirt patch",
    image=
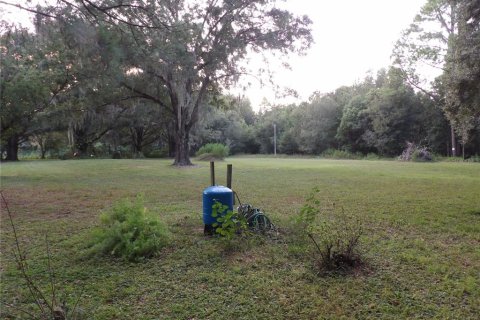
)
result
[(32, 204)]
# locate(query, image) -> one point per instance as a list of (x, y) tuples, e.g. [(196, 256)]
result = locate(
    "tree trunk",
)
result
[(137, 135), (42, 143), (12, 148), (182, 149), (171, 141), (186, 115)]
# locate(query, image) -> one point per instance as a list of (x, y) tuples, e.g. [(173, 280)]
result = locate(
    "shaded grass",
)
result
[(421, 243)]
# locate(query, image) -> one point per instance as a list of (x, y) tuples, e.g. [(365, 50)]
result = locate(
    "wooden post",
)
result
[(212, 173), (229, 179), (229, 176)]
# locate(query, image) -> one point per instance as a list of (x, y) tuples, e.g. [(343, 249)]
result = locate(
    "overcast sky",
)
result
[(351, 37)]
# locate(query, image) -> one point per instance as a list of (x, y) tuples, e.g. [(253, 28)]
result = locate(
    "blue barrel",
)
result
[(211, 195)]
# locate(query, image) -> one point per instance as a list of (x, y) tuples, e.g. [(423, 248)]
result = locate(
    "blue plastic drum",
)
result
[(211, 195)]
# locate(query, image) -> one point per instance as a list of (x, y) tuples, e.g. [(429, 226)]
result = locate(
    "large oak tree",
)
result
[(178, 50)]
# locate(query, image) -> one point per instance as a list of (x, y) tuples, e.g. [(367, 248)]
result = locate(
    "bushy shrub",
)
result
[(422, 154), (66, 155), (213, 150), (449, 159), (156, 153), (475, 158), (28, 154), (122, 152), (116, 155), (334, 234), (101, 149), (129, 231), (341, 154), (371, 156)]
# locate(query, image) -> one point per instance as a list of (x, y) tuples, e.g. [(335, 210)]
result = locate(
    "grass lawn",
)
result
[(421, 243)]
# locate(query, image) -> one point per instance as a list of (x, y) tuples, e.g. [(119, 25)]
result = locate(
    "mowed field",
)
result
[(421, 244)]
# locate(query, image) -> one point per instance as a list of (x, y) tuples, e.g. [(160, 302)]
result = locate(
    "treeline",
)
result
[(377, 115)]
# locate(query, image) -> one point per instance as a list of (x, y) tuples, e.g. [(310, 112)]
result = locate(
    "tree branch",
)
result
[(442, 21), (145, 95), (28, 9), (201, 93)]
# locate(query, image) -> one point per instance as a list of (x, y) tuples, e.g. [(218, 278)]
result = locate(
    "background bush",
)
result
[(216, 150), (341, 154), (129, 231), (156, 153)]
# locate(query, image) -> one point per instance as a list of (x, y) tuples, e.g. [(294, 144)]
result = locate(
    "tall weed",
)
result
[(334, 234)]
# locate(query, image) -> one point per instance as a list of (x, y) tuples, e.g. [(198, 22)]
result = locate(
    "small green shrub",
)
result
[(60, 153), (116, 155), (101, 150), (216, 150), (156, 153), (122, 152), (450, 159), (371, 156), (341, 154), (28, 154), (66, 155), (129, 231), (475, 158), (335, 234), (421, 155)]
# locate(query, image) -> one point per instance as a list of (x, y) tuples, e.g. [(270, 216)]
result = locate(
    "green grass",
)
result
[(421, 244)]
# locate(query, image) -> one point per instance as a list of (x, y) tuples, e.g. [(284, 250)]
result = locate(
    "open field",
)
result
[(422, 240)]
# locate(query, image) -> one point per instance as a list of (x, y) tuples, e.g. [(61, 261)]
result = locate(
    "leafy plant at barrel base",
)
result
[(230, 226), (335, 234), (129, 231), (229, 223)]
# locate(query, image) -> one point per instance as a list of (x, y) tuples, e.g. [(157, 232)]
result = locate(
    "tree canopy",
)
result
[(176, 51), (149, 78), (445, 36)]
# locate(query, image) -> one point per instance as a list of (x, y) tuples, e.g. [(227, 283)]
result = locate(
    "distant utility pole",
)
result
[(452, 133), (274, 139)]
